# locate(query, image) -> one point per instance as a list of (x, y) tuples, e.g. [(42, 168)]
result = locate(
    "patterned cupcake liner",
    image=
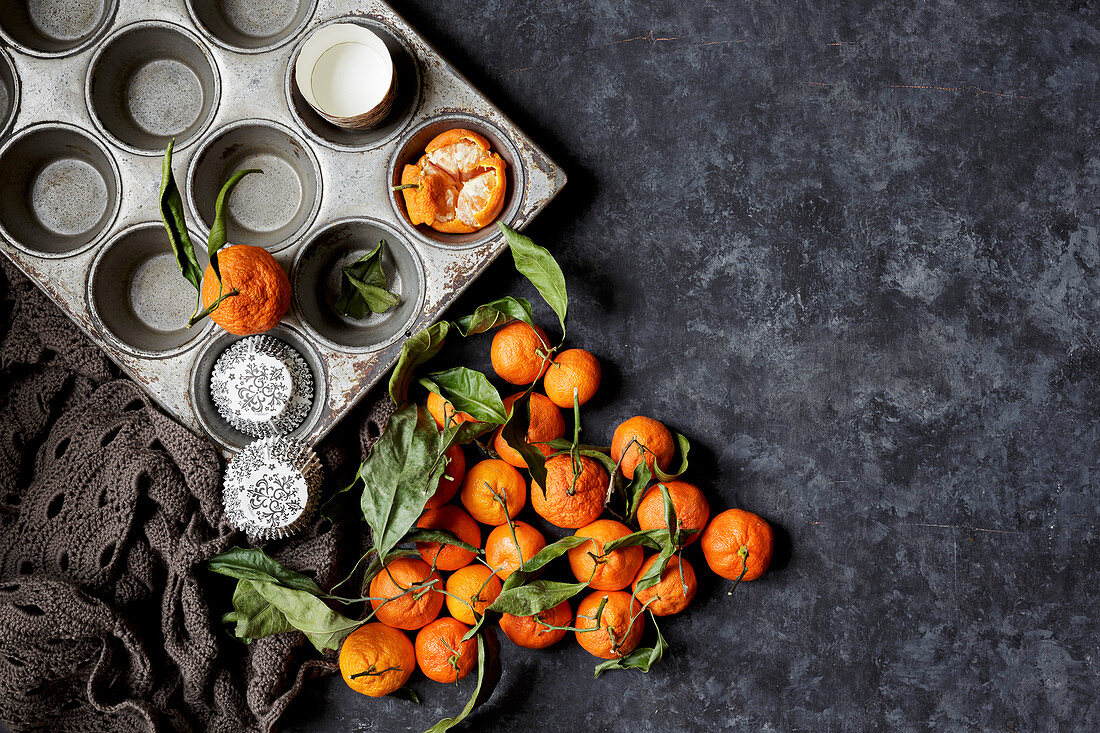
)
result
[(262, 386), (271, 488)]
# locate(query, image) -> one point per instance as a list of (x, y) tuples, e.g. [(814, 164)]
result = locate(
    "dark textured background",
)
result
[(852, 253)]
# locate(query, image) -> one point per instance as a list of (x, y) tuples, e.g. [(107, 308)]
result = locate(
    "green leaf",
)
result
[(515, 435), (254, 615), (364, 287), (441, 536), (406, 693), (251, 564), (468, 432), (539, 266), (653, 538), (217, 237), (171, 213), (400, 475), (488, 674), (552, 552), (306, 612), (657, 569), (496, 313), (642, 658), (685, 448), (531, 598), (637, 488), (469, 391), (416, 350)]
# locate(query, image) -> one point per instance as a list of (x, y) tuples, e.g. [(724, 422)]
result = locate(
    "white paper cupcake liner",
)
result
[(262, 386), (271, 488)]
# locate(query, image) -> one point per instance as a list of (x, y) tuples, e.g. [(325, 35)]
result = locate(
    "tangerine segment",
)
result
[(489, 487), (604, 571), (546, 423), (692, 509), (263, 290), (642, 437), (505, 555), (535, 632), (457, 151), (673, 592), (737, 541), (458, 523), (451, 479), (442, 654), (567, 502), (617, 630), (481, 198), (470, 590), (376, 659), (398, 595)]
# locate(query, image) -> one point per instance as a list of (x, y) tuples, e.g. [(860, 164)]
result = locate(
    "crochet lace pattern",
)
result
[(108, 511)]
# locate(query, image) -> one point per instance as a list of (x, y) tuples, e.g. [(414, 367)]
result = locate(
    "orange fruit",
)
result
[(398, 606), (441, 410), (672, 593), (451, 479), (645, 437), (534, 632), (737, 540), (487, 484), (376, 659), (692, 509), (568, 504), (611, 571), (520, 354), (458, 185), (442, 654), (458, 523), (263, 286), (471, 590), (572, 369), (618, 628), (546, 424), (502, 553)]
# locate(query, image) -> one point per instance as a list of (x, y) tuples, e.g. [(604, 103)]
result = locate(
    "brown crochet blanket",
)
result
[(108, 511)]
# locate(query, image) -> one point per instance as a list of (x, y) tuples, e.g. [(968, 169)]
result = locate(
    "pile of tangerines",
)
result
[(408, 594)]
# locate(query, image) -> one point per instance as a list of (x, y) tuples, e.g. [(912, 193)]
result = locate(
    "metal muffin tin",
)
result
[(92, 90)]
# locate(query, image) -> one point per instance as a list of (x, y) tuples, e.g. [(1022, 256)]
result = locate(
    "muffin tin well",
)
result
[(91, 91)]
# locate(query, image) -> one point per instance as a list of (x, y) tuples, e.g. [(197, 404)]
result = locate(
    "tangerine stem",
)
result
[(743, 553), (403, 186), (198, 316), (371, 673)]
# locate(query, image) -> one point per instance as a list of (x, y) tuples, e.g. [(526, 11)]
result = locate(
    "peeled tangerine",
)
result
[(458, 186)]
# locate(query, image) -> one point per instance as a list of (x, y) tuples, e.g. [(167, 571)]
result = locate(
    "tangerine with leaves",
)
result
[(403, 593), (692, 509), (470, 590), (442, 411), (737, 545), (506, 553), (490, 487), (673, 592), (641, 437), (451, 519), (376, 659), (451, 479), (262, 285), (609, 628), (520, 353), (540, 630), (546, 424), (571, 499), (604, 570), (572, 369), (442, 654)]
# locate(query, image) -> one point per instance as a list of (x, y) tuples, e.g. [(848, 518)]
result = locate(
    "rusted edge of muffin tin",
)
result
[(104, 116)]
